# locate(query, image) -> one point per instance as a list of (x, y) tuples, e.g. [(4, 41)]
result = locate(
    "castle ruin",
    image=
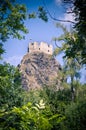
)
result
[(42, 47)]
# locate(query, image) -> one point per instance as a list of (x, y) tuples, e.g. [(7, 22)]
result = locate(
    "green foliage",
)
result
[(76, 45), (42, 14), (58, 99), (11, 91), (28, 117), (79, 9), (72, 64), (12, 16), (47, 109), (71, 114), (76, 116), (1, 50), (69, 41), (80, 91), (32, 15)]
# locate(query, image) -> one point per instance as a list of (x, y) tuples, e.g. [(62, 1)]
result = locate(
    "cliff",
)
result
[(39, 69)]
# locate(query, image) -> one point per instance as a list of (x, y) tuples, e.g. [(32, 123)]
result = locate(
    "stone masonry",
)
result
[(42, 47)]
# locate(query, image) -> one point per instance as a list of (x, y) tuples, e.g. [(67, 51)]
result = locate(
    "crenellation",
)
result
[(42, 47)]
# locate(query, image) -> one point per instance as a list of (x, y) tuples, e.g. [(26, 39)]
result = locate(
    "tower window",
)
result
[(48, 50), (32, 43), (39, 48)]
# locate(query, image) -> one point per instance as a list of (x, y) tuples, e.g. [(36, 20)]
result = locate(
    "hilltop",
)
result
[(39, 69)]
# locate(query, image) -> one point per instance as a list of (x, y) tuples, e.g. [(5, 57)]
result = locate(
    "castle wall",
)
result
[(42, 47)]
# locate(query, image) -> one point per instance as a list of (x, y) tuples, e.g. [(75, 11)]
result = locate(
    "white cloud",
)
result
[(69, 17), (14, 60)]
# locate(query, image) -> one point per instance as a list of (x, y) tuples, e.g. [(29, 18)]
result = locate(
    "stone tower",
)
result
[(42, 47)]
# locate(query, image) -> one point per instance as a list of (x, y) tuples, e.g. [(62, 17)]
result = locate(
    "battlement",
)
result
[(42, 47)]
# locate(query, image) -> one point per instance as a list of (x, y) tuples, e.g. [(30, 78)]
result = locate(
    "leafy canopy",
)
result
[(12, 16), (11, 92)]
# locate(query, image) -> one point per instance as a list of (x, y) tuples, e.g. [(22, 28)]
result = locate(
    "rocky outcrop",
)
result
[(38, 70)]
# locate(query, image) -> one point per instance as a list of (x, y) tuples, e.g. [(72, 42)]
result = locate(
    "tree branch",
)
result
[(52, 17), (56, 44)]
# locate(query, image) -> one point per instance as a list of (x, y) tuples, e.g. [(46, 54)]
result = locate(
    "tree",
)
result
[(79, 9), (27, 117), (71, 70), (11, 92), (76, 116), (12, 16), (71, 65)]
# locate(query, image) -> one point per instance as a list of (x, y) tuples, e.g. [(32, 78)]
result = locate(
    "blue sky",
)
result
[(38, 30)]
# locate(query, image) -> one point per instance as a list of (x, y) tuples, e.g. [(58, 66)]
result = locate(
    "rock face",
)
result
[(39, 69)]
